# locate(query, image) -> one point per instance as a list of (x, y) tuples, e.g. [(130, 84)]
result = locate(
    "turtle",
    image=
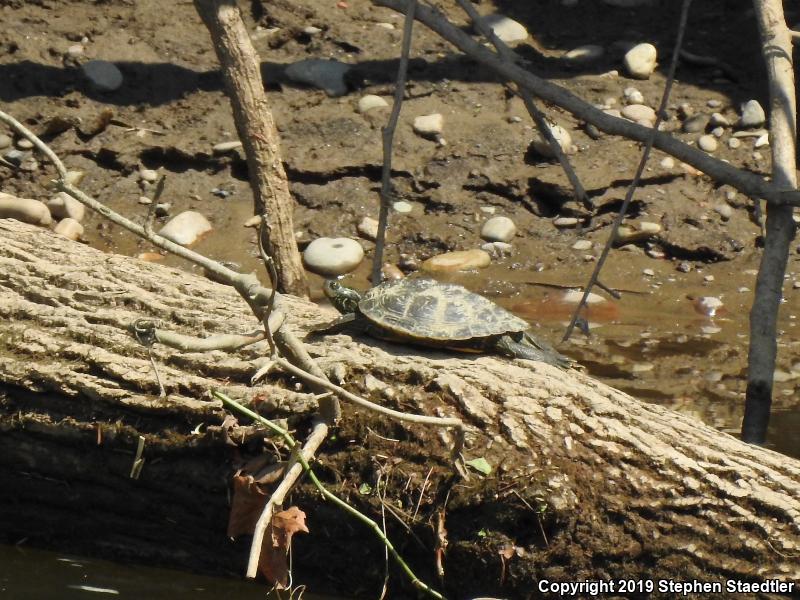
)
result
[(426, 312)]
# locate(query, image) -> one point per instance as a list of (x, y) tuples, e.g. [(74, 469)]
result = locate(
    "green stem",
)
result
[(415, 581)]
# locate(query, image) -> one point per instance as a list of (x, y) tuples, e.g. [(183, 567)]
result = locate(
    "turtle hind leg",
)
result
[(524, 348)]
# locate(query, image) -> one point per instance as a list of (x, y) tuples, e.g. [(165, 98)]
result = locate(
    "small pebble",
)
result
[(103, 76), (639, 112), (718, 132), (633, 96), (333, 256), (508, 30), (713, 103), (148, 175), (327, 75), (497, 249), (74, 177), (70, 229), (186, 228), (162, 209), (752, 115), (75, 51), (145, 200), (402, 207), (499, 229), (574, 297), (685, 110), (311, 30), (429, 126), (541, 147), (391, 272), (734, 142), (464, 260), (648, 272), (708, 278), (26, 210), (724, 211), (695, 124), (5, 141), (640, 61), (585, 53), (368, 228), (489, 210), (707, 143), (667, 162), (718, 120), (684, 267), (762, 141), (565, 222), (63, 206), (384, 25), (370, 101), (24, 144), (254, 221), (582, 245), (225, 147)]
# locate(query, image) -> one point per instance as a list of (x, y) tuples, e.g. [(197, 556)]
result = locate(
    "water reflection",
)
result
[(28, 574)]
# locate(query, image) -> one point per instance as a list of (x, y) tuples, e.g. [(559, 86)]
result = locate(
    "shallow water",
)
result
[(28, 574)]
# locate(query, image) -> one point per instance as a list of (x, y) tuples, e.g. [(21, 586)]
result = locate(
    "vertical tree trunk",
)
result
[(777, 49), (256, 129)]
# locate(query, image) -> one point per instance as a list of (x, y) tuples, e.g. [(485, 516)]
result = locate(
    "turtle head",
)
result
[(343, 298)]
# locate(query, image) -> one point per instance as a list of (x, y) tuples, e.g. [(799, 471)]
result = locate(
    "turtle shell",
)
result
[(429, 311)]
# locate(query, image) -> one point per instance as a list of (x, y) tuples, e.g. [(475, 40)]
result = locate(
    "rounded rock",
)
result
[(724, 211), (5, 141), (718, 120), (430, 126), (667, 162), (371, 101), (582, 245), (639, 112), (186, 228), (225, 147), (498, 229), (70, 229), (64, 206), (148, 175), (734, 143), (707, 143), (541, 147), (26, 210), (462, 260), (640, 61), (762, 140), (103, 76), (508, 30), (368, 228), (328, 75), (586, 53), (497, 249), (695, 124), (752, 115), (633, 96), (333, 256), (402, 207), (24, 144), (565, 222)]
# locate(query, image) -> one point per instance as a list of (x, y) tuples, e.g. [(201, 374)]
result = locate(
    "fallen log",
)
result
[(587, 483)]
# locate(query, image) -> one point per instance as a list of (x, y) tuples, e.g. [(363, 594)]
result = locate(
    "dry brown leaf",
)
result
[(247, 505), (277, 541)]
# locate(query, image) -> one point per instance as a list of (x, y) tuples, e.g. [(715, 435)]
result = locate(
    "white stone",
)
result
[(63, 206), (385, 25), (323, 74), (713, 103), (75, 51), (371, 101), (633, 96), (70, 229), (24, 144), (718, 120), (402, 207), (752, 115), (499, 229), (462, 260), (5, 141), (368, 228), (102, 75), (148, 175), (574, 297), (585, 53), (226, 147), (582, 245), (640, 61), (186, 228), (26, 210), (333, 256), (762, 141), (565, 222), (254, 222), (718, 132), (707, 143), (562, 136), (724, 211), (311, 30), (734, 143), (639, 112), (667, 162), (497, 249), (429, 125), (508, 30)]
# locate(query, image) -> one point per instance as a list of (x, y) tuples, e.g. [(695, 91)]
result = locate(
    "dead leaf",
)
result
[(277, 541), (247, 505)]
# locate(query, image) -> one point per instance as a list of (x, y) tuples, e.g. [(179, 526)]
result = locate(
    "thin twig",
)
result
[(527, 98), (388, 140), (302, 461), (639, 170)]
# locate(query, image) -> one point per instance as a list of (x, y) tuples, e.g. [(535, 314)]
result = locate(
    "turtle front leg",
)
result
[(508, 346)]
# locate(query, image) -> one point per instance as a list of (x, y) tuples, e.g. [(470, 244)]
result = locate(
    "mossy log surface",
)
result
[(587, 482)]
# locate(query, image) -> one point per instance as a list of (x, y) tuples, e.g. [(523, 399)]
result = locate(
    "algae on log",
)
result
[(588, 483)]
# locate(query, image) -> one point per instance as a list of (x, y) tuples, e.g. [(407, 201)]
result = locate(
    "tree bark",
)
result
[(256, 128), (777, 49), (587, 482)]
